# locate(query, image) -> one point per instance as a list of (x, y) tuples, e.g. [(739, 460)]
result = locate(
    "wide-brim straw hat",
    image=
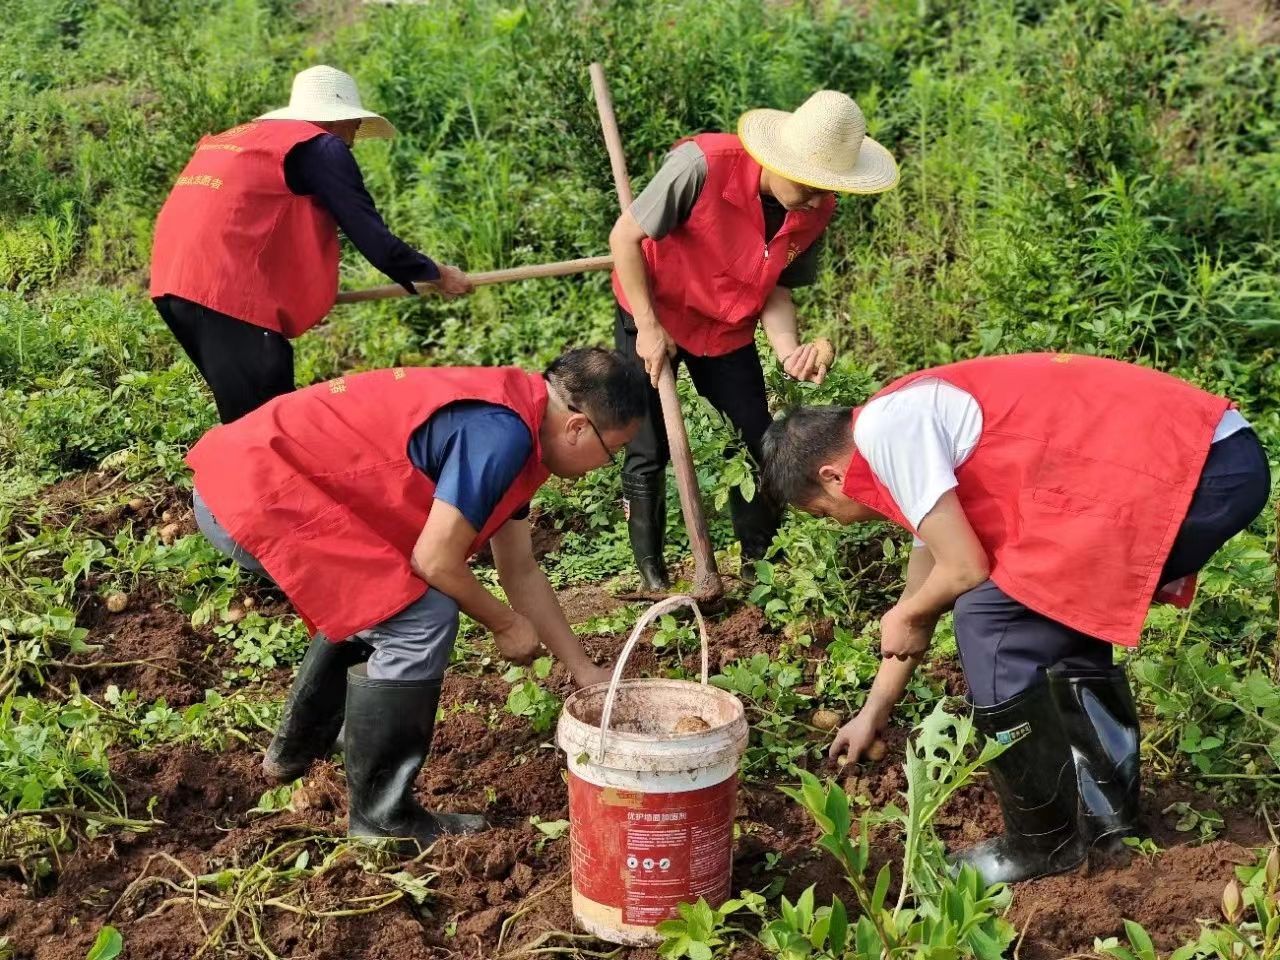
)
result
[(323, 93), (823, 144)]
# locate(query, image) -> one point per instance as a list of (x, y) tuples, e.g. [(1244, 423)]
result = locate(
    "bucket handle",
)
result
[(659, 608)]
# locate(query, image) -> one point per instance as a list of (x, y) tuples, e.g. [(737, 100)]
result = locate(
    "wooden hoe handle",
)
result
[(535, 271), (706, 578)]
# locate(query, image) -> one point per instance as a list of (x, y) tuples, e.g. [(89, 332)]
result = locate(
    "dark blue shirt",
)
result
[(324, 167), (473, 451)]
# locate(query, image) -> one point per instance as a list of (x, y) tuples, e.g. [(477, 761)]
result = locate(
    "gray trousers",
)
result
[(414, 644)]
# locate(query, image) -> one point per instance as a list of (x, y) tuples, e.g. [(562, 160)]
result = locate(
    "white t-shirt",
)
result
[(915, 439)]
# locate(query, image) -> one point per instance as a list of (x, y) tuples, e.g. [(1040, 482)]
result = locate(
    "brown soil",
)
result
[(512, 883), (103, 503), (1257, 19), (162, 655)]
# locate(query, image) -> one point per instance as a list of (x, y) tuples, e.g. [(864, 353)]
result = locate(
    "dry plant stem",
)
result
[(109, 819), (528, 904), (1026, 927), (536, 948), (97, 665)]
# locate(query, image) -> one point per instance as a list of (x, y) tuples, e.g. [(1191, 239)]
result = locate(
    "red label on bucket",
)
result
[(644, 853)]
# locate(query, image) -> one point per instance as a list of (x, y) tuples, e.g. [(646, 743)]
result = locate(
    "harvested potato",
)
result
[(826, 352), (116, 602), (137, 504), (168, 516), (249, 603), (873, 754), (308, 797), (826, 719), (234, 614), (168, 534), (691, 724)]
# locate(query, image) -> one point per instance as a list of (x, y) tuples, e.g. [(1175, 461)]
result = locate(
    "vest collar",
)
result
[(742, 190)]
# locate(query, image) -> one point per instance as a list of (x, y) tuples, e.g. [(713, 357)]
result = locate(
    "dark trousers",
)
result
[(734, 385), (1005, 647), (244, 365)]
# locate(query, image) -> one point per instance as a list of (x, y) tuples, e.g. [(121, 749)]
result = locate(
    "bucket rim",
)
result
[(649, 738)]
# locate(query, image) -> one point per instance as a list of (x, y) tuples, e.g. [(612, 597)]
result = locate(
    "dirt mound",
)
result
[(103, 503), (511, 883), (191, 787), (160, 655), (201, 798), (1166, 895), (495, 767), (1257, 19), (740, 631)]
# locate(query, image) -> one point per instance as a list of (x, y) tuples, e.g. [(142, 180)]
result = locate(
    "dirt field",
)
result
[(504, 892)]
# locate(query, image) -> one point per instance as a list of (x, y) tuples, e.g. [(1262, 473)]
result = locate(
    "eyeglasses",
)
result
[(611, 454)]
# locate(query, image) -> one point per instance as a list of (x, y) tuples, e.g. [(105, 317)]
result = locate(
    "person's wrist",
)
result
[(503, 620), (911, 614), (877, 715)]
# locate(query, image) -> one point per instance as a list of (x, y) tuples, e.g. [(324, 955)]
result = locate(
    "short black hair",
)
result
[(610, 388), (797, 444)]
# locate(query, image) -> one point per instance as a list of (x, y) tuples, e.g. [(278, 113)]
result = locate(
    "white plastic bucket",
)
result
[(651, 811)]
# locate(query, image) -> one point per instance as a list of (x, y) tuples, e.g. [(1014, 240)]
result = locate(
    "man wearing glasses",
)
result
[(363, 499)]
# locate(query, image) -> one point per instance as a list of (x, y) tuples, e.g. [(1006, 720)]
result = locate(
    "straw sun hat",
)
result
[(323, 93), (824, 144)]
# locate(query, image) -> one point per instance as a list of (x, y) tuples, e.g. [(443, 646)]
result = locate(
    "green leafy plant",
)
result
[(550, 830), (263, 643), (770, 686), (528, 698), (698, 932), (938, 913), (1206, 824), (801, 932), (1144, 847), (107, 945)]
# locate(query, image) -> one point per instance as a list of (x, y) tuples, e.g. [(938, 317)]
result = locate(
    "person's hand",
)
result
[(903, 637), (806, 362), (589, 673), (452, 282), (855, 737), (654, 346), (518, 642)]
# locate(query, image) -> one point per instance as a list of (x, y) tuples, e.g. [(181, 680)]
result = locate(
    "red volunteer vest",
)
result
[(318, 485), (234, 238), (710, 276), (1083, 475)]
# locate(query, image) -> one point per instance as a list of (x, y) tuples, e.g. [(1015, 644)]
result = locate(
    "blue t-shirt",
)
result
[(473, 451)]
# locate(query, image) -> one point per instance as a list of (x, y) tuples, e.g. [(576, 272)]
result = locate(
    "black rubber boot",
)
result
[(388, 736), (1035, 781), (1101, 724), (645, 501), (755, 522), (313, 712)]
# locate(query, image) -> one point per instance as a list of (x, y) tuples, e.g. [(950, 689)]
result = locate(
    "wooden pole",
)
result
[(706, 578), (561, 268)]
